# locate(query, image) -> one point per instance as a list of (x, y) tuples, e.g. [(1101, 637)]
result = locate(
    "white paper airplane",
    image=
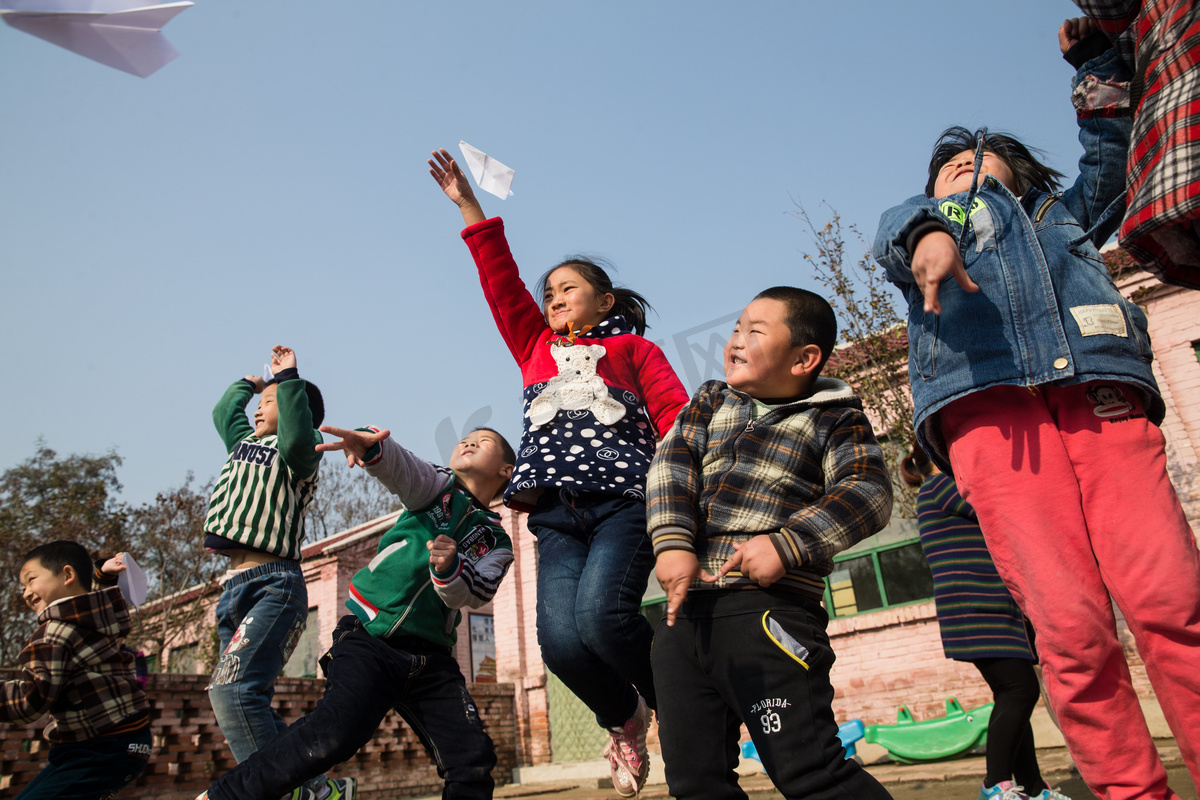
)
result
[(123, 34), (489, 174), (133, 582)]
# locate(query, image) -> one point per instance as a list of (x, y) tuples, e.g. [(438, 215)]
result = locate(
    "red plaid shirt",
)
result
[(1161, 41), (74, 670)]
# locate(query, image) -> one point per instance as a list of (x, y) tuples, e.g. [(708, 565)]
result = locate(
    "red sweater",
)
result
[(574, 450)]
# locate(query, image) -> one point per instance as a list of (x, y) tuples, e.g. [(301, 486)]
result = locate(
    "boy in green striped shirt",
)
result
[(256, 519)]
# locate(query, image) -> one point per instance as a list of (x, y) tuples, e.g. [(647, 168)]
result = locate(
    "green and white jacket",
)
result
[(398, 593), (267, 483)]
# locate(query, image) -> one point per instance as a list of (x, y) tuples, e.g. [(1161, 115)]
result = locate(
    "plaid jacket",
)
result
[(73, 669), (1160, 41), (810, 474)]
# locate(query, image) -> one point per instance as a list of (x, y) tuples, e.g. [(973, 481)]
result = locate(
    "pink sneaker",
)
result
[(628, 760)]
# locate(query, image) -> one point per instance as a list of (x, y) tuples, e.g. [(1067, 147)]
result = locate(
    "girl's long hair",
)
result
[(1027, 170), (627, 302), (916, 466)]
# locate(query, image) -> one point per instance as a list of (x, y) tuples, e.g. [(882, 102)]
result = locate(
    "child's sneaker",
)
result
[(1004, 790), (628, 760), (338, 789), (1049, 794)]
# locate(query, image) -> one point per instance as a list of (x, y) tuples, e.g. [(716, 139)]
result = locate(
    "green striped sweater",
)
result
[(267, 483)]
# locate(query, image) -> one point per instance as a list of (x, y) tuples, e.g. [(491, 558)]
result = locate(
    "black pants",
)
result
[(1010, 749), (757, 657), (366, 677), (95, 769)]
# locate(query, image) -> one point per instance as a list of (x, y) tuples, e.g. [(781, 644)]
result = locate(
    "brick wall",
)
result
[(1174, 317), (518, 657), (894, 657), (190, 750)]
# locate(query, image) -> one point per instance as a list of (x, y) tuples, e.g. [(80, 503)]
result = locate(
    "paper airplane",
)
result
[(133, 582), (123, 34), (489, 174)]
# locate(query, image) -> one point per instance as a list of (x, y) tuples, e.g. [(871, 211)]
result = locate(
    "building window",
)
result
[(184, 660), (655, 609), (483, 647), (879, 578), (303, 662)]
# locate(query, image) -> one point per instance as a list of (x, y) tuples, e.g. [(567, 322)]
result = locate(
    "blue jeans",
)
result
[(594, 560), (260, 617), (366, 677), (93, 769)]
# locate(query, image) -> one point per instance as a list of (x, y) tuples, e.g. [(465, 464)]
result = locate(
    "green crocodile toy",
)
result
[(955, 734)]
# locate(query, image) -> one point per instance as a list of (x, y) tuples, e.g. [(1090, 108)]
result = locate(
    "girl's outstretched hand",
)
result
[(354, 443), (1073, 31), (454, 183), (935, 257)]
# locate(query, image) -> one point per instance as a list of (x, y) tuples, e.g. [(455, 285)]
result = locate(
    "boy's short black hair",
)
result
[(510, 455), (316, 403), (56, 555), (1028, 172), (810, 318)]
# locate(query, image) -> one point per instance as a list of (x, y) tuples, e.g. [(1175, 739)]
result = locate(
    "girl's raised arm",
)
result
[(454, 183)]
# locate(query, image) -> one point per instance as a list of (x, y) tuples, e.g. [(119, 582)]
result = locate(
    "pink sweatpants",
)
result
[(1071, 489)]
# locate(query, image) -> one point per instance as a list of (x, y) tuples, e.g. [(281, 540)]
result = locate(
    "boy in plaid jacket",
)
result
[(762, 479), (73, 668)]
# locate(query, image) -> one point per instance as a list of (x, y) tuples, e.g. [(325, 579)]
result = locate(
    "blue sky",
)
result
[(269, 186)]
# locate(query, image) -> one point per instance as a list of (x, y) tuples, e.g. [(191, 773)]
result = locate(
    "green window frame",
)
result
[(878, 578)]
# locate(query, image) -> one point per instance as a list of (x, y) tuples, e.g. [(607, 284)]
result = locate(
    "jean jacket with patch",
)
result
[(1047, 310)]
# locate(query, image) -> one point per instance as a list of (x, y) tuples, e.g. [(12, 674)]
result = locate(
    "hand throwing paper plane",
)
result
[(489, 174), (123, 34)]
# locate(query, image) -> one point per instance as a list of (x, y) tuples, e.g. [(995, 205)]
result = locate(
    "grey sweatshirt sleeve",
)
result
[(414, 480)]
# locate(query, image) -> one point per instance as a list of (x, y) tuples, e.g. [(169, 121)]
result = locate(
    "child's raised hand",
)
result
[(259, 383), (282, 358), (354, 443), (675, 570), (1073, 31), (454, 183), (114, 565), (757, 559), (935, 257), (443, 552)]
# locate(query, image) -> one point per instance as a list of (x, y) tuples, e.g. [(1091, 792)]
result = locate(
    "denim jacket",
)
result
[(1047, 310)]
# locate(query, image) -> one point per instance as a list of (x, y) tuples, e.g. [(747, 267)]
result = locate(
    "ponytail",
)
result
[(916, 466)]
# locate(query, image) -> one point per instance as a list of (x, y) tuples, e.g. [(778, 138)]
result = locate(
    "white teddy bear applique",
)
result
[(576, 387)]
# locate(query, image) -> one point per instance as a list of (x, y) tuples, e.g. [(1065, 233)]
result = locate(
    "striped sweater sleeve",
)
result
[(856, 504), (229, 416), (297, 439)]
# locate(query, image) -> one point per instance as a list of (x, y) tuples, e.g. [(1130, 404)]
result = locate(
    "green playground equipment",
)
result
[(955, 734)]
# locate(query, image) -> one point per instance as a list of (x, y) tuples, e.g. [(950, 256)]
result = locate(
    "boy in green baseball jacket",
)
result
[(446, 551), (256, 520)]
